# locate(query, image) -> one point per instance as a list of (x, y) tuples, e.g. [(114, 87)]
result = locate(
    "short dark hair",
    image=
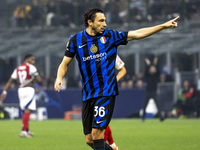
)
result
[(90, 15), (27, 56)]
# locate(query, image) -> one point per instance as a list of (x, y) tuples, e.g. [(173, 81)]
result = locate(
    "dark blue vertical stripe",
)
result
[(98, 67), (87, 67), (81, 65)]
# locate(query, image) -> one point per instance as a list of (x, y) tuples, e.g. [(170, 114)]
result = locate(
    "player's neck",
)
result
[(90, 31)]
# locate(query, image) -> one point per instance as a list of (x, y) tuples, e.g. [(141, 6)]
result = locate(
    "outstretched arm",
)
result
[(62, 69), (145, 32)]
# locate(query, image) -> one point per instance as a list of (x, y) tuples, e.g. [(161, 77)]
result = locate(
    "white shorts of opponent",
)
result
[(27, 98)]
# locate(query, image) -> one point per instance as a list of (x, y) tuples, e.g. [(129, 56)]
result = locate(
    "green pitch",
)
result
[(129, 134)]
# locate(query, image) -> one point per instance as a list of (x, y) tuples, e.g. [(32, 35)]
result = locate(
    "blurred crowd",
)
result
[(70, 12)]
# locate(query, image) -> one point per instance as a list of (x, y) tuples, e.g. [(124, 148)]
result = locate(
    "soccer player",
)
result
[(119, 65), (26, 74), (95, 49)]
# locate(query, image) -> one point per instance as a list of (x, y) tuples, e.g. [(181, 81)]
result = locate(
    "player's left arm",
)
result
[(121, 73), (145, 32)]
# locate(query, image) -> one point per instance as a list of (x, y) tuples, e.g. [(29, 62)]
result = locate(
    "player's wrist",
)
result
[(164, 26), (58, 80), (4, 92)]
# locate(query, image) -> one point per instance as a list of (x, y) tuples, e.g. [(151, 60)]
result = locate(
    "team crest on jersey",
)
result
[(93, 49), (103, 39)]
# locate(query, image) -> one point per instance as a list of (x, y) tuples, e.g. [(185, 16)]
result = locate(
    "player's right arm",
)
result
[(62, 69), (4, 93), (145, 32)]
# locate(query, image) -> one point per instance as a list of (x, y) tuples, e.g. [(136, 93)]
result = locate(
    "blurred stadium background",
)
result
[(42, 27)]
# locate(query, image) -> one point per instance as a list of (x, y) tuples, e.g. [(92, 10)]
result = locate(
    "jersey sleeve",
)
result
[(120, 38), (33, 71), (70, 52), (118, 63), (14, 74)]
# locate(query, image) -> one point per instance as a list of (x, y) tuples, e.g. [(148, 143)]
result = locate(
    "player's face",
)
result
[(99, 24), (32, 60)]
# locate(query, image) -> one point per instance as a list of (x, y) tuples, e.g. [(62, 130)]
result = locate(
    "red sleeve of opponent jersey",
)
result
[(189, 93)]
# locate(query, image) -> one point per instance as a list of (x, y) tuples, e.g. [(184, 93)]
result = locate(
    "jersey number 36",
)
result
[(99, 111)]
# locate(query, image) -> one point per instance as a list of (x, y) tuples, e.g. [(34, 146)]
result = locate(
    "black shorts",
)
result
[(97, 113)]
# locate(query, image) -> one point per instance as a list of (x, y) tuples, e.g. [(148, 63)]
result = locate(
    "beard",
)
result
[(96, 31)]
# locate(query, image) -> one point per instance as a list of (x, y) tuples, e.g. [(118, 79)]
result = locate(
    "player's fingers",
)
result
[(61, 84), (56, 87), (174, 25), (175, 18)]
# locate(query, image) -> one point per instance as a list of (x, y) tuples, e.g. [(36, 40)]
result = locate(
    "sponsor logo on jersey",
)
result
[(97, 57)]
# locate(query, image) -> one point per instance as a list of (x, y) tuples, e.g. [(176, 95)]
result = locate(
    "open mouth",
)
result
[(102, 29)]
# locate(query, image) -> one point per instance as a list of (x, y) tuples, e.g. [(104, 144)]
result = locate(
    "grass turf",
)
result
[(129, 134)]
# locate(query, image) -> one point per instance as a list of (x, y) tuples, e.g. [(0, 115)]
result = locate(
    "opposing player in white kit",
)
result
[(26, 74)]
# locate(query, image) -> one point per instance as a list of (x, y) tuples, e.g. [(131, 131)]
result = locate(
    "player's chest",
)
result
[(93, 46)]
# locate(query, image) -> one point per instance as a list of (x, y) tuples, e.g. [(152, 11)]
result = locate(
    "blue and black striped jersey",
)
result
[(96, 59)]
